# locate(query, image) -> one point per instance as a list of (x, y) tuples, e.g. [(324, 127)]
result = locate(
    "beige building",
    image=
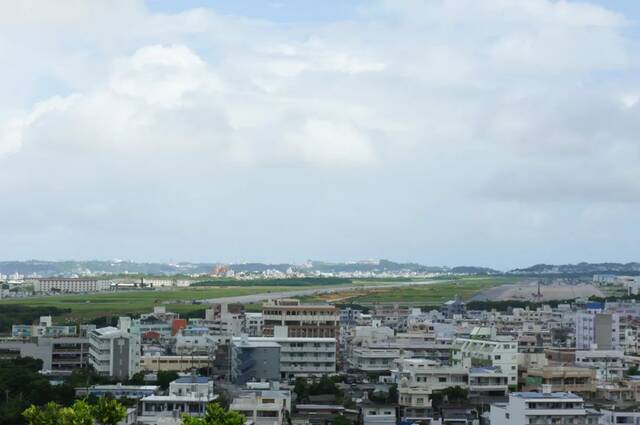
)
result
[(302, 320), (175, 363), (571, 379)]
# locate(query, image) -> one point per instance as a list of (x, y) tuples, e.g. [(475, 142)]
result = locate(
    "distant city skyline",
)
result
[(487, 133)]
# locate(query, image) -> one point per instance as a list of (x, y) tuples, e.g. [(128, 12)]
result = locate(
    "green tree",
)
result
[(78, 414), (104, 412), (165, 378), (215, 415), (341, 420), (48, 415), (108, 411)]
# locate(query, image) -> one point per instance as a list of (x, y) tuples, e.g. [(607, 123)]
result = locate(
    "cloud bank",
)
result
[(449, 132)]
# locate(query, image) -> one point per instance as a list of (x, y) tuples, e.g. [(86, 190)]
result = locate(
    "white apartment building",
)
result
[(263, 407), (115, 352), (301, 356), (221, 320), (498, 352), (618, 417), (542, 409), (253, 324), (373, 360), (417, 379), (373, 414), (196, 341), (599, 330), (609, 364), (428, 373), (61, 284), (189, 395)]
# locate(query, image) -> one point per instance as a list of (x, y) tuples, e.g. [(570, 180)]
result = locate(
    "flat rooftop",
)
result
[(543, 396)]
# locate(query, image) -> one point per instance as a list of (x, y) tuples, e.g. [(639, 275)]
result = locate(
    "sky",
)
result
[(501, 133)]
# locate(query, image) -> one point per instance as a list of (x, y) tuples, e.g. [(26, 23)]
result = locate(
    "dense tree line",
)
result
[(11, 314)]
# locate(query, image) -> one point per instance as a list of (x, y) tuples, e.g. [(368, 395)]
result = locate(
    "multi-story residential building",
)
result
[(609, 364), (373, 360), (194, 341), (115, 352), (189, 395), (619, 416), (487, 383), (376, 414), (418, 379), (254, 360), (184, 363), (597, 330), (542, 409), (301, 356), (488, 350), (225, 319), (562, 378), (428, 373), (263, 406), (254, 323), (76, 285), (302, 320), (452, 308), (350, 316), (59, 355)]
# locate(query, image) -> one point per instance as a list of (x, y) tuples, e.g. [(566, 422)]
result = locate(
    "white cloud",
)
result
[(513, 104)]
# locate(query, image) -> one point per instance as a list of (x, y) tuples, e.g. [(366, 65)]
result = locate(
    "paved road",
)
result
[(255, 298)]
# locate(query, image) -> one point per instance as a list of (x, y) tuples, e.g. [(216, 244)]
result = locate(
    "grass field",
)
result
[(86, 307), (435, 293)]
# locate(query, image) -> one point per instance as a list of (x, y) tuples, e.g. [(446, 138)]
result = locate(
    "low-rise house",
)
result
[(263, 406), (189, 395), (543, 408)]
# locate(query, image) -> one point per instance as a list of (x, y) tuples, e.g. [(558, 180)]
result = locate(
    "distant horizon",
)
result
[(298, 263)]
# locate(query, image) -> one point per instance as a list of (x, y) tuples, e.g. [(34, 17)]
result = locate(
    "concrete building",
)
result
[(375, 414), (194, 341), (573, 379), (115, 352), (60, 355), (301, 320), (542, 409), (300, 356), (599, 330), (189, 395), (253, 324), (254, 360), (453, 308), (185, 363), (373, 360), (74, 285), (263, 406), (609, 364), (488, 350), (225, 319), (134, 392)]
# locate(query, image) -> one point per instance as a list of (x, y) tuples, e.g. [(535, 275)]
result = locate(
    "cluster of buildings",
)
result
[(571, 363)]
